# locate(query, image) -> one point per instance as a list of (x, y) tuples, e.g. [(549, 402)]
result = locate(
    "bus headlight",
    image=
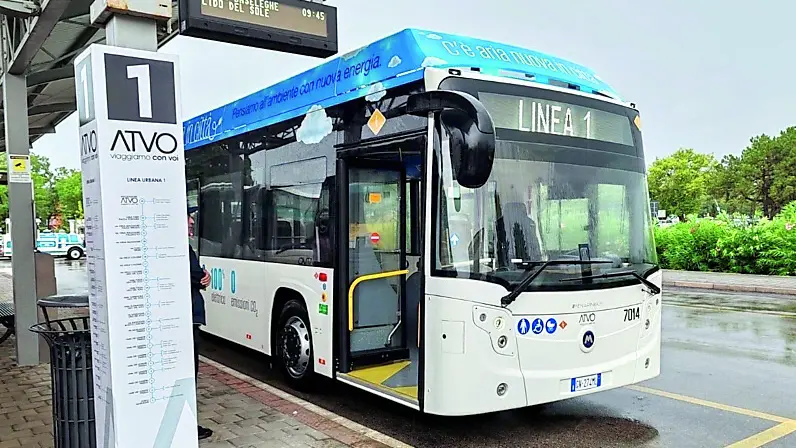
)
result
[(497, 323), (650, 314)]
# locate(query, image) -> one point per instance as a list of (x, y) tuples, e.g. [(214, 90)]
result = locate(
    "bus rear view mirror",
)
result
[(472, 134)]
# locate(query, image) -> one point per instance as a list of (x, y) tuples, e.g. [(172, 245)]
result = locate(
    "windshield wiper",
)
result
[(652, 286), (531, 276)]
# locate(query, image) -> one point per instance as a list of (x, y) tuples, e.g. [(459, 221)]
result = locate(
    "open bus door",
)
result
[(379, 281)]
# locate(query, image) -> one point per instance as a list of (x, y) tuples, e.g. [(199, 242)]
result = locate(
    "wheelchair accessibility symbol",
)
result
[(537, 326), (524, 326)]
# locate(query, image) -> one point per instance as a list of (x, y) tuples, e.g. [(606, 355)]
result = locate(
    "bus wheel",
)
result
[(294, 345), (74, 253)]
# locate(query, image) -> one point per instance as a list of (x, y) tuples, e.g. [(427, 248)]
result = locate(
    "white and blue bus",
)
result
[(58, 244), (457, 225)]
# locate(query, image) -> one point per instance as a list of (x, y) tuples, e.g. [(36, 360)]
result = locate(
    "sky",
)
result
[(706, 74)]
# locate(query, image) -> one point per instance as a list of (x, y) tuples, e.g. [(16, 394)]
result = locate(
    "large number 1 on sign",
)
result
[(84, 81), (141, 74)]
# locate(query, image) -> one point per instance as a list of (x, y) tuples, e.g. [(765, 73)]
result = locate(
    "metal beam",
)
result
[(38, 131), (51, 108), (42, 27), (47, 76), (19, 9), (41, 130), (77, 8)]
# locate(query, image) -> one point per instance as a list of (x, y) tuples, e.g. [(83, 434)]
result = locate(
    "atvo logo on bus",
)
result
[(587, 318)]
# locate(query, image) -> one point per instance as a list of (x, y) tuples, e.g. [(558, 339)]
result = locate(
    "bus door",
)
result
[(376, 262), (377, 271)]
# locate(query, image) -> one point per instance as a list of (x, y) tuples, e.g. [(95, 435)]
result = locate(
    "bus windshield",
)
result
[(568, 183)]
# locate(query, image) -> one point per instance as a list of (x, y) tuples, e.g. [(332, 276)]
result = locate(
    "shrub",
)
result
[(778, 254), (690, 245), (731, 244), (740, 249)]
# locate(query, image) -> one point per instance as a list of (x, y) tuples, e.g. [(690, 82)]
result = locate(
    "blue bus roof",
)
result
[(392, 61)]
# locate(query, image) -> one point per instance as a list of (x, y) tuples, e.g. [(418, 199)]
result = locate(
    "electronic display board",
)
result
[(292, 26)]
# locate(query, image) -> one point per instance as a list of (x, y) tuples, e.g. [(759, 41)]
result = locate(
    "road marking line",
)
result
[(764, 437), (711, 404)]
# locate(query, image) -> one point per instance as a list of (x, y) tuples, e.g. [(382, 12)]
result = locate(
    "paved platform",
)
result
[(242, 412), (763, 284)]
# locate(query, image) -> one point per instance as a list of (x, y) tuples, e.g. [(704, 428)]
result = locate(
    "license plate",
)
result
[(586, 382)]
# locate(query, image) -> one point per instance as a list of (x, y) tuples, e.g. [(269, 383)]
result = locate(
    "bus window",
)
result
[(295, 223)]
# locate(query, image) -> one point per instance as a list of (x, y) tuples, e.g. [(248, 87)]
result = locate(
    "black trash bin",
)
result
[(72, 381)]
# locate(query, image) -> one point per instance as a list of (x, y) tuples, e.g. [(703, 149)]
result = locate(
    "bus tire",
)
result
[(294, 355), (74, 253)]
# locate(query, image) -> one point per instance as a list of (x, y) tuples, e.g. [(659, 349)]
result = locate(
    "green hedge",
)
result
[(721, 245)]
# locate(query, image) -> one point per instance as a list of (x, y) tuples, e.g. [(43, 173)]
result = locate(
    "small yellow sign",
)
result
[(637, 122), (19, 165), (19, 171), (376, 122)]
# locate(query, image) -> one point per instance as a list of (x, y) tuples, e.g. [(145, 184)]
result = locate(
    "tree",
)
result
[(69, 190), (680, 181), (729, 188), (762, 178), (43, 187), (783, 185), (56, 192)]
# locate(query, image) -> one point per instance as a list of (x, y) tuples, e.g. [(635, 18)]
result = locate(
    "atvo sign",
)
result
[(163, 142), (141, 93), (88, 144)]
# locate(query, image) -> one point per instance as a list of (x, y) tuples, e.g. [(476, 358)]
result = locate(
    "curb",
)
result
[(359, 430), (731, 288)]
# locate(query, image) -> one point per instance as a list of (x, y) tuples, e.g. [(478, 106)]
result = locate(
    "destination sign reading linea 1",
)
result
[(291, 26), (556, 117)]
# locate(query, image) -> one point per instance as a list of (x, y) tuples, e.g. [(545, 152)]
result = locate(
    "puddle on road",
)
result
[(758, 336), (72, 265), (541, 426)]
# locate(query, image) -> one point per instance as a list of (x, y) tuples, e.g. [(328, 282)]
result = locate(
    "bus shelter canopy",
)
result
[(43, 46)]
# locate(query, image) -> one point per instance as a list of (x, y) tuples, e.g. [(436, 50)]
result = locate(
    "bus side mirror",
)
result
[(472, 134)]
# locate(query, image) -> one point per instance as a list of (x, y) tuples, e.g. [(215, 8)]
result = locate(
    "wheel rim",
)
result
[(295, 343), (74, 254)]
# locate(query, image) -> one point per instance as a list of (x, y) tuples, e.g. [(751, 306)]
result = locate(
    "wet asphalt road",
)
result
[(741, 359), (746, 360)]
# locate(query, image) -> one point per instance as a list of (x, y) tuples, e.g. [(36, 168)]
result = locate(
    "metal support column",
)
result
[(20, 198)]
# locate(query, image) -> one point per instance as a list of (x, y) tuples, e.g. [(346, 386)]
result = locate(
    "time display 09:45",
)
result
[(320, 15)]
